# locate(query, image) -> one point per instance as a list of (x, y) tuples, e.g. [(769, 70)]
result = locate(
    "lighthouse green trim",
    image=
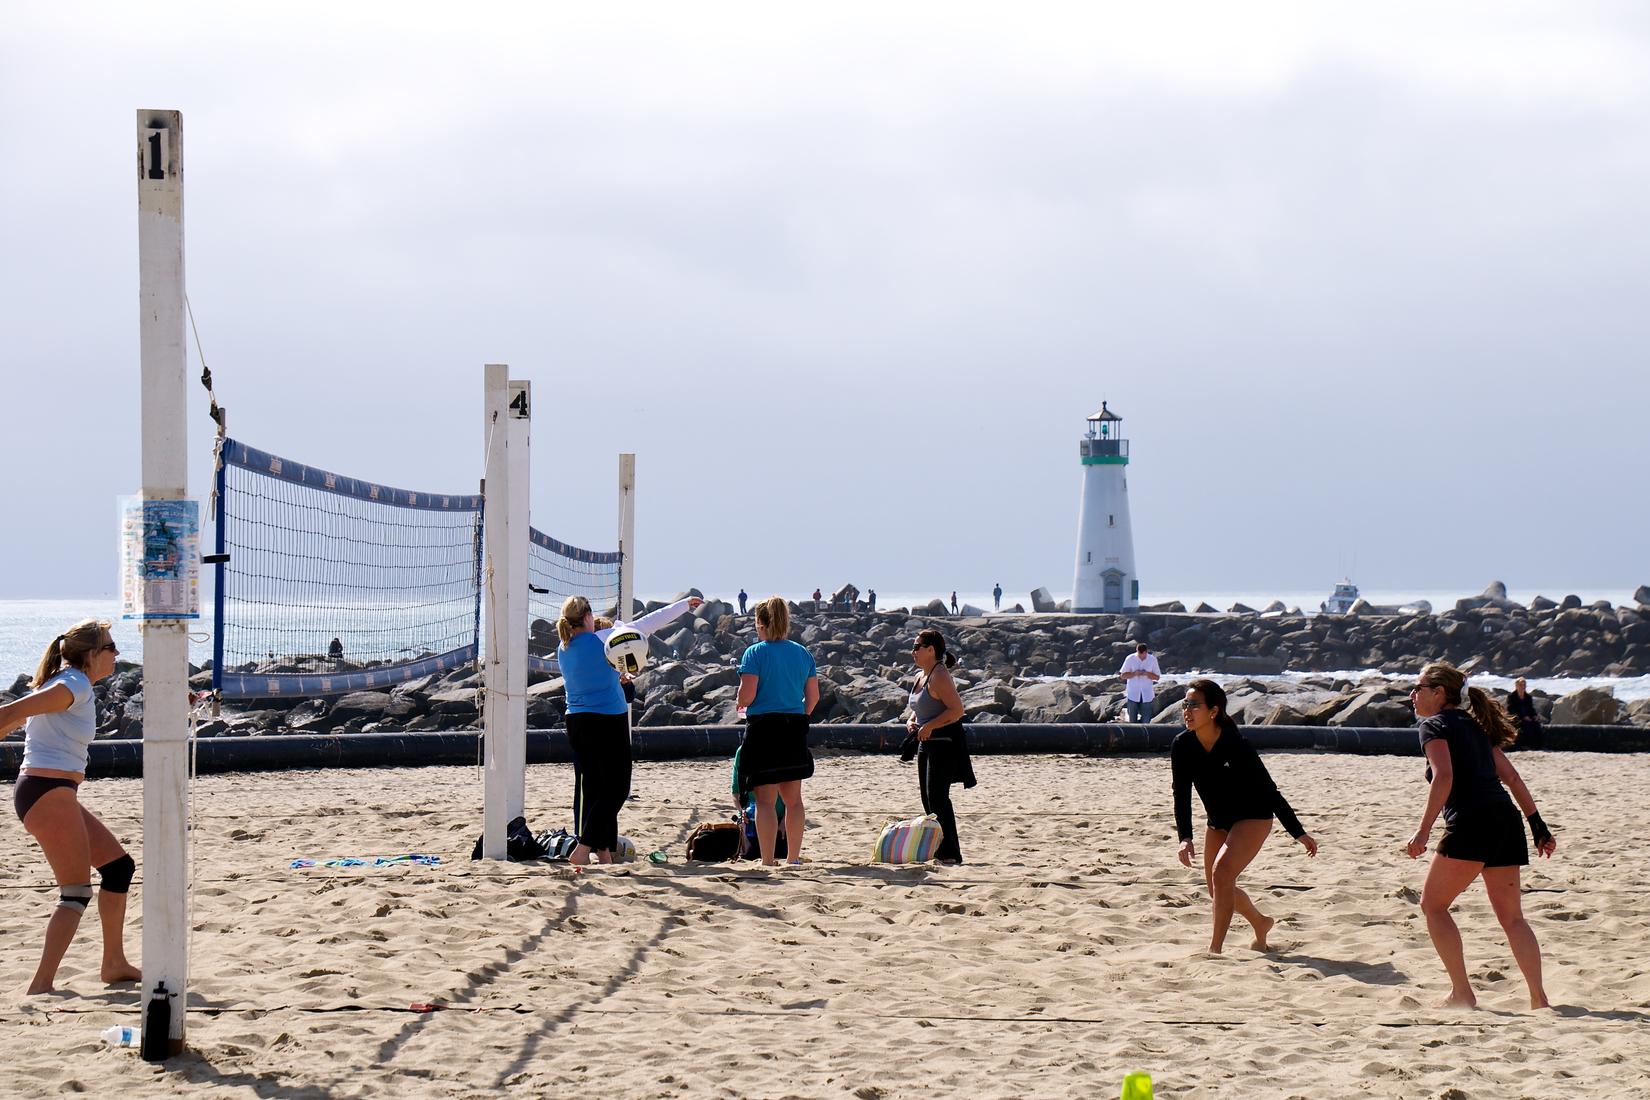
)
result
[(1105, 460)]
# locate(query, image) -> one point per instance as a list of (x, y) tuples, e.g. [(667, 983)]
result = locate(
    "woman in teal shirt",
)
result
[(778, 689)]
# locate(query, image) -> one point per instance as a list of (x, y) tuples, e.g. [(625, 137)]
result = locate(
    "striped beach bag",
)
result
[(910, 841)]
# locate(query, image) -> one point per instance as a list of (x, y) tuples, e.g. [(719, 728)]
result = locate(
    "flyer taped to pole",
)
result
[(160, 561)]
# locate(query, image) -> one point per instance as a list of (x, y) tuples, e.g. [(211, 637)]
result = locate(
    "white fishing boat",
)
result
[(1341, 600)]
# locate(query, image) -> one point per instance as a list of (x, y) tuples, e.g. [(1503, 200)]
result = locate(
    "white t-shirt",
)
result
[(1141, 689)]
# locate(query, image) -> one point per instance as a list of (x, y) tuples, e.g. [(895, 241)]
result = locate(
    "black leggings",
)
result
[(601, 776), (939, 766)]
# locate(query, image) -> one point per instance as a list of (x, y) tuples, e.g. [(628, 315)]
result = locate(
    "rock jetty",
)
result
[(1048, 667)]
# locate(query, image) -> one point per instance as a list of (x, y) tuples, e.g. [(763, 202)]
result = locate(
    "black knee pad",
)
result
[(74, 897), (116, 875)]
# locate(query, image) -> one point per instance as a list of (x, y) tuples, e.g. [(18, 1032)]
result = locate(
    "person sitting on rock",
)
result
[(1521, 708)]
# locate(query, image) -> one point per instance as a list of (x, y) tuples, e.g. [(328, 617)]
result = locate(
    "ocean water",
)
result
[(26, 626)]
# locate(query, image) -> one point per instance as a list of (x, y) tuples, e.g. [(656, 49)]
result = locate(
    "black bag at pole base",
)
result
[(520, 845)]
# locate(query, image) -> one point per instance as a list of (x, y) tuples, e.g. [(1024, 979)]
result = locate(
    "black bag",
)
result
[(715, 842), (520, 844)]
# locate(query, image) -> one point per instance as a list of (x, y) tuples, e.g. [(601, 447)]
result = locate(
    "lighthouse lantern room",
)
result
[(1105, 580)]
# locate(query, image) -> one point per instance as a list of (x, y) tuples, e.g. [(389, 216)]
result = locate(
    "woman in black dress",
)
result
[(1240, 798), (1463, 732)]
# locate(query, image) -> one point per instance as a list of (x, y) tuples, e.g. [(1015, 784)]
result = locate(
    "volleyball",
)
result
[(627, 649)]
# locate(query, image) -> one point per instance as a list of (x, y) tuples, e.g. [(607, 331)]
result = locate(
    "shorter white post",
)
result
[(627, 538)]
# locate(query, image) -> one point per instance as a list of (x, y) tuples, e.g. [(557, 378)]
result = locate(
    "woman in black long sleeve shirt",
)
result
[(1240, 798)]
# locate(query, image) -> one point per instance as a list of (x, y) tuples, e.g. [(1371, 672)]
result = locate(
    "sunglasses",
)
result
[(1191, 704), (108, 647), (920, 645)]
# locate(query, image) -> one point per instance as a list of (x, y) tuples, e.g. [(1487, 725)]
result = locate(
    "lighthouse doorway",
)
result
[(1113, 580)]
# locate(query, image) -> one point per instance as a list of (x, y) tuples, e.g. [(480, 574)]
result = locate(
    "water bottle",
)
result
[(121, 1036)]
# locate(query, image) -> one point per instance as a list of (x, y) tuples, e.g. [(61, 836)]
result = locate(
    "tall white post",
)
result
[(165, 398), (495, 578), (519, 408), (627, 537), (504, 575)]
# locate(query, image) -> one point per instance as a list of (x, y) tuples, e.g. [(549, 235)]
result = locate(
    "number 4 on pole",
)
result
[(518, 400)]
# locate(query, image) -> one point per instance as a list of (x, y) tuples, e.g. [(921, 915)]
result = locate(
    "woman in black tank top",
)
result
[(1463, 731)]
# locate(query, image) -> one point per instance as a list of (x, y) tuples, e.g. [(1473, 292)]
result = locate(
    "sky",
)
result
[(1366, 282)]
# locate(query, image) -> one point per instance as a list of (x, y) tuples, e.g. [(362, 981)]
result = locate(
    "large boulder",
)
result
[(701, 685), (1641, 595), (370, 704), (991, 697), (1587, 707), (1051, 701), (1495, 590), (1042, 602), (933, 609)]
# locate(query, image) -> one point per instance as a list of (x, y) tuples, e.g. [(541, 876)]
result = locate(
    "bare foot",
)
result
[(34, 990), (1539, 1001), (122, 971), (1455, 1000), (1215, 949), (1263, 926)]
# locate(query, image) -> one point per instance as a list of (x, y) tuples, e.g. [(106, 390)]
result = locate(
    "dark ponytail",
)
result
[(932, 637), (1214, 697)]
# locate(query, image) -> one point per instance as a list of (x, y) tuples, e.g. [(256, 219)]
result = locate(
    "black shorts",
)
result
[(775, 750), (1493, 837), (1224, 824)]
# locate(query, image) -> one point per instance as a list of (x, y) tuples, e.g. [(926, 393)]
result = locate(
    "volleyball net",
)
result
[(556, 571), (332, 584)]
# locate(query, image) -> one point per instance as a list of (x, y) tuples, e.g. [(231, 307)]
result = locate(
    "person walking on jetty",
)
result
[(936, 722), (598, 722), (778, 689), (742, 599), (1140, 674), (997, 595), (871, 599), (953, 601), (1521, 708), (1240, 799), (60, 719), (1463, 732), (817, 598)]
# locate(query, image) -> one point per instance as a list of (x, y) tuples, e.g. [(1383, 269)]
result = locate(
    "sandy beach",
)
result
[(1065, 953)]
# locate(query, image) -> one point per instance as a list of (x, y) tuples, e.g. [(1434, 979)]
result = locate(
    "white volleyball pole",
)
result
[(627, 557), (514, 647), (627, 537), (495, 581), (165, 399)]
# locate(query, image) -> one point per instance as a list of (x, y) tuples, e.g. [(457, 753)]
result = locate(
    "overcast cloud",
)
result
[(1362, 279)]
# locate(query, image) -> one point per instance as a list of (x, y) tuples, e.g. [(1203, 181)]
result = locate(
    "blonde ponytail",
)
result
[(573, 611), (74, 647)]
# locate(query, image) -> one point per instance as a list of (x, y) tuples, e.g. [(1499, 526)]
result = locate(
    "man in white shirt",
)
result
[(1140, 672)]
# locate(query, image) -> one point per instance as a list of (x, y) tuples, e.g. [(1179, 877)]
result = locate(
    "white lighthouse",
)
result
[(1105, 579)]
